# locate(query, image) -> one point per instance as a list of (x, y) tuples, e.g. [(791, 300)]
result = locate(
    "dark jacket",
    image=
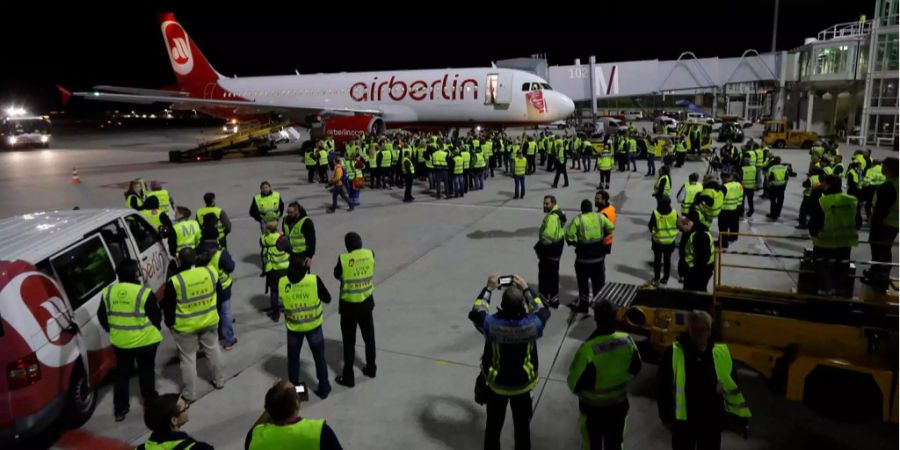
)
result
[(705, 404), (886, 198), (555, 249), (309, 233), (151, 310), (366, 306), (496, 329), (817, 216), (176, 436), (254, 210)]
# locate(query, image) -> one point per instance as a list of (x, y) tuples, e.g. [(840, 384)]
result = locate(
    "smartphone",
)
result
[(301, 391), (506, 280)]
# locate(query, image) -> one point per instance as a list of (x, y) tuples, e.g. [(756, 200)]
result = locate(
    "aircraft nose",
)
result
[(565, 106)]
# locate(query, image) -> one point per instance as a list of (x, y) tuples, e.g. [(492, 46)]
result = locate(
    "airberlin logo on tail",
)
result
[(397, 90), (179, 47)]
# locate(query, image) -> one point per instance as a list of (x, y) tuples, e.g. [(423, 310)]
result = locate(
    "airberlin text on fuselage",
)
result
[(418, 90)]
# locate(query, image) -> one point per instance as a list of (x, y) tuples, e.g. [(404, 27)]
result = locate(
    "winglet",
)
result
[(66, 95)]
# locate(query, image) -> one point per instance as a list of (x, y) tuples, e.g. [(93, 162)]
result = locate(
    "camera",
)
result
[(505, 280), (302, 392)]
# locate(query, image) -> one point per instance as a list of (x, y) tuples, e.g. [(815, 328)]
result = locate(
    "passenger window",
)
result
[(116, 241), (526, 87), (143, 234), (84, 270)]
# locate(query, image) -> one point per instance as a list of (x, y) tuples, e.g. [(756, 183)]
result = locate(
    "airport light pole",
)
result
[(775, 26)]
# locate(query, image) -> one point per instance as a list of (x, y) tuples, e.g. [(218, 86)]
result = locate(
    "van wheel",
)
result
[(779, 144), (81, 399), (807, 144)]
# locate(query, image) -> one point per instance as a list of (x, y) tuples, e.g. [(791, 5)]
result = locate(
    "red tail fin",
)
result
[(66, 95), (192, 70)]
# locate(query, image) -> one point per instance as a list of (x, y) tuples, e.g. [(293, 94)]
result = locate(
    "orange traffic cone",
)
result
[(75, 179)]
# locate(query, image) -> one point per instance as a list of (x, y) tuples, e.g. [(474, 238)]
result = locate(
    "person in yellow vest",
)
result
[(302, 294), (409, 172), (833, 226), (281, 427), (479, 163), (884, 225), (561, 156), (311, 161), (698, 253), (663, 232), (697, 389), (599, 375), (218, 258), (812, 190), (663, 186), (549, 248), (605, 164), (266, 206), (466, 155), (586, 232), (338, 185), (166, 202), (129, 312), (509, 360), (322, 165), (520, 164), (688, 192), (356, 272), (155, 215), (709, 201), (385, 167), (275, 263), (874, 177), (211, 216), (456, 166), (134, 196), (191, 311), (300, 232), (748, 182), (530, 153), (186, 232), (440, 160), (729, 217), (164, 416), (777, 176)]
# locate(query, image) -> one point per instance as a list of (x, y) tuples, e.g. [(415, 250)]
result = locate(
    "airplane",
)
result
[(349, 104)]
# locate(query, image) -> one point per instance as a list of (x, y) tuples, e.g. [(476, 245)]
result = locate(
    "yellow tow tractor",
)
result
[(687, 129), (838, 355), (778, 134)]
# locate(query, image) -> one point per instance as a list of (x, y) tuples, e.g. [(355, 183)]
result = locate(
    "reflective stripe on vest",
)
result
[(748, 180), (690, 192), (551, 228), (224, 278), (733, 399), (304, 434), (839, 228), (690, 256), (195, 299), (458, 165), (273, 258), (302, 308), (665, 229), (611, 357), (610, 213), (357, 276), (296, 237), (519, 165), (589, 228), (780, 175), (129, 326), (215, 211), (187, 234), (734, 196), (165, 202), (180, 444), (267, 205)]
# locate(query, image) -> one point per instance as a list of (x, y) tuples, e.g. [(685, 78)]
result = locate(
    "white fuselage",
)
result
[(480, 95)]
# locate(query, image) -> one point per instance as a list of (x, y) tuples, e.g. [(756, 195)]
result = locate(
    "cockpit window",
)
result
[(526, 87), (546, 87)]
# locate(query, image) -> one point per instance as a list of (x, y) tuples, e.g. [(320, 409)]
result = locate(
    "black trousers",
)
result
[(679, 158), (387, 177), (496, 415), (776, 200), (622, 159), (699, 436), (604, 176), (697, 278), (805, 210), (530, 167), (548, 278), (833, 275), (322, 174), (561, 170), (591, 277), (880, 240), (748, 198), (145, 357), (311, 174), (408, 183), (492, 163), (349, 322), (662, 259), (729, 221), (441, 178), (603, 427), (376, 178)]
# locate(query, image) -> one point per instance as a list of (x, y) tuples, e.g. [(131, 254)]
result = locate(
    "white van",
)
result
[(634, 115), (53, 267)]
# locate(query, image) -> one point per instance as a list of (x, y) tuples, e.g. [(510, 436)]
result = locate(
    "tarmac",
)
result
[(433, 257)]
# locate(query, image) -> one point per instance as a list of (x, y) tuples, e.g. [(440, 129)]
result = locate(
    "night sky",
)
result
[(80, 47)]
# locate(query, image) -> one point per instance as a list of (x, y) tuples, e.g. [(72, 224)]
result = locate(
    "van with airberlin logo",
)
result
[(53, 351)]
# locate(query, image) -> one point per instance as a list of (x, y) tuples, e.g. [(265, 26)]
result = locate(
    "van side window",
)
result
[(84, 270), (116, 241), (143, 235)]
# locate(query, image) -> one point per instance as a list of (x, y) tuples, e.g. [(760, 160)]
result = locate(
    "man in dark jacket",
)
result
[(696, 389), (300, 232), (509, 362), (209, 253)]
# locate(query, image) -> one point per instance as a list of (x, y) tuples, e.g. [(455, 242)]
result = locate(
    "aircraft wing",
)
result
[(240, 106)]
